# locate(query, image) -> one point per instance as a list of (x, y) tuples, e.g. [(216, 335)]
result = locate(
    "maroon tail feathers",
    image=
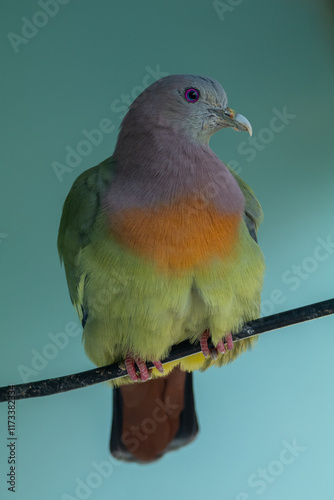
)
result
[(153, 418)]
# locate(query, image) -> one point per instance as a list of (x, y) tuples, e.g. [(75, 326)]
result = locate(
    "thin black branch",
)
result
[(182, 350)]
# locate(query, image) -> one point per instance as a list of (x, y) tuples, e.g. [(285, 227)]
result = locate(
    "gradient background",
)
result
[(267, 55)]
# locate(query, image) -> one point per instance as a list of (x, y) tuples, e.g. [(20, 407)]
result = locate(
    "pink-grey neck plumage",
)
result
[(164, 140), (163, 158)]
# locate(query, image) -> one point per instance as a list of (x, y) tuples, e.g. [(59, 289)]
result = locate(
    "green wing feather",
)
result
[(80, 211)]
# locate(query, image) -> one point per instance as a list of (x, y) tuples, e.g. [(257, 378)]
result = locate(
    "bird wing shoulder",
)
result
[(80, 211), (253, 214)]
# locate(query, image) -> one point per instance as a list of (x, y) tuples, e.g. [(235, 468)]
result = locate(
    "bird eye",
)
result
[(192, 95)]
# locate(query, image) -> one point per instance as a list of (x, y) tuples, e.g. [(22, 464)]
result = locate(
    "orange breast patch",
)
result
[(179, 236)]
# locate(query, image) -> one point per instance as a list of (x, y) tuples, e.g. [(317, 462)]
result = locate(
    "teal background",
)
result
[(267, 55)]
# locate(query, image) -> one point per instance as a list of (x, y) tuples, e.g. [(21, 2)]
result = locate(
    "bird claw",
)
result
[(144, 374), (220, 347), (229, 341)]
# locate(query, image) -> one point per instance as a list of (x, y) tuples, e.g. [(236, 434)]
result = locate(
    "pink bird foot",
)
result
[(220, 347), (144, 375)]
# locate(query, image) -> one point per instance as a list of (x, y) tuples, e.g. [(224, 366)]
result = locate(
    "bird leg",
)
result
[(220, 347), (144, 375)]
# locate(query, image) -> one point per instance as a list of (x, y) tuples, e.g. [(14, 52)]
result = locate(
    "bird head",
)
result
[(188, 104)]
